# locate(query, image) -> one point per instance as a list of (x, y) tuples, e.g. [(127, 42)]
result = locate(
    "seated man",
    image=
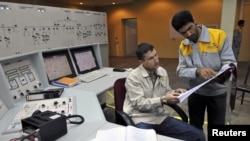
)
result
[(147, 88)]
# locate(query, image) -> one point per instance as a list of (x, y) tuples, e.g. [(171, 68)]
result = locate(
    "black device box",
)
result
[(44, 94), (51, 125)]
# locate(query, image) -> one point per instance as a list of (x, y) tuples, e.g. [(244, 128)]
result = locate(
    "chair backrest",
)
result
[(119, 93), (119, 96)]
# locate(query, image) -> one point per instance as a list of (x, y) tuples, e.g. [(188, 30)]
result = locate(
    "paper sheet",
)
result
[(128, 133), (185, 95)]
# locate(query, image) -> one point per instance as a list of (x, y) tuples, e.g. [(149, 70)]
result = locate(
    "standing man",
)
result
[(147, 89), (201, 55), (237, 38)]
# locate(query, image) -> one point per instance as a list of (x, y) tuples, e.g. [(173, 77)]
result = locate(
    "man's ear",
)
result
[(195, 21)]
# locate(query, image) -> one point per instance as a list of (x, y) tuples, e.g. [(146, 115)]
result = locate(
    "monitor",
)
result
[(84, 59), (58, 64)]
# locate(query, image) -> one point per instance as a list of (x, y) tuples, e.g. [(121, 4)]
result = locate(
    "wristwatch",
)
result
[(164, 100)]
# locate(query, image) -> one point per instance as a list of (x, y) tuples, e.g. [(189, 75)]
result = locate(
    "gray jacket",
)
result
[(211, 51), (142, 100)]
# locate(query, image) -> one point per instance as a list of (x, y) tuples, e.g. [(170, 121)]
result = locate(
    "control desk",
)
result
[(27, 72), (87, 105)]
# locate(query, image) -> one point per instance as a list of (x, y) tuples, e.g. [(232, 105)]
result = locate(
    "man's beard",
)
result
[(193, 38), (156, 66)]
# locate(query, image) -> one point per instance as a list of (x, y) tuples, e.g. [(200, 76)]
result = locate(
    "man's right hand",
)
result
[(172, 97), (205, 73)]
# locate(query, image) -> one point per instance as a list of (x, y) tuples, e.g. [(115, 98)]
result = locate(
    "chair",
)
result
[(245, 87), (119, 95)]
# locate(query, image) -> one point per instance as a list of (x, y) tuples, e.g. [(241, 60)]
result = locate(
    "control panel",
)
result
[(21, 77), (63, 105)]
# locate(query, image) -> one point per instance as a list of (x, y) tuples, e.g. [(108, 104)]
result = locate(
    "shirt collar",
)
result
[(204, 36), (145, 73)]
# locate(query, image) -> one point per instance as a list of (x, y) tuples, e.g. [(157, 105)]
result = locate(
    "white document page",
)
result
[(129, 133), (114, 134), (137, 134)]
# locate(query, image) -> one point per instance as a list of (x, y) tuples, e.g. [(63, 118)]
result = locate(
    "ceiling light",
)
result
[(4, 7), (40, 10)]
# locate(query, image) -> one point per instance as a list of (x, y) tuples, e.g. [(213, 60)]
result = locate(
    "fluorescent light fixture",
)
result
[(4, 7), (40, 10)]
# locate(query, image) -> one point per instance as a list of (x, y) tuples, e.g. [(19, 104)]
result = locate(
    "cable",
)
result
[(30, 137), (75, 116)]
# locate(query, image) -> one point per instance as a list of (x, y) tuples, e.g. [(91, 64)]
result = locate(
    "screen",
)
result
[(58, 64), (84, 59)]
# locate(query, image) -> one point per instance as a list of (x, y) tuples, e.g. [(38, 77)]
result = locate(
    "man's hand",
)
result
[(205, 73), (172, 97), (180, 90)]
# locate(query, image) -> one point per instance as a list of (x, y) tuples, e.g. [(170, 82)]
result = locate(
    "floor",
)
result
[(240, 115)]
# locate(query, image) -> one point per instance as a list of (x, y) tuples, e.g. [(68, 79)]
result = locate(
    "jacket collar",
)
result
[(145, 73), (204, 36)]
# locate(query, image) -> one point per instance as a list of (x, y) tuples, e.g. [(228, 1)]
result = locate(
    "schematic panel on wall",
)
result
[(28, 28)]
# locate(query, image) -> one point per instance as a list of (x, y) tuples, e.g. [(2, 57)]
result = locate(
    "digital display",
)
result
[(84, 59), (58, 64)]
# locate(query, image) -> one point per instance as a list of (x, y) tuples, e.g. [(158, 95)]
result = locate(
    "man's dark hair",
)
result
[(181, 18), (142, 49), (240, 22)]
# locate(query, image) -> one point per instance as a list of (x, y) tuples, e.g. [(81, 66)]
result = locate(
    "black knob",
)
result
[(62, 111), (43, 105)]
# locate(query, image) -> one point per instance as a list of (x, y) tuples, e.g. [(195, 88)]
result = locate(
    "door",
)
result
[(130, 31)]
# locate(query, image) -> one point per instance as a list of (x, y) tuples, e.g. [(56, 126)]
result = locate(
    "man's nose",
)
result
[(156, 59)]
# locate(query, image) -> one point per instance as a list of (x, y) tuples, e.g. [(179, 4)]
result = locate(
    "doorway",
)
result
[(130, 36)]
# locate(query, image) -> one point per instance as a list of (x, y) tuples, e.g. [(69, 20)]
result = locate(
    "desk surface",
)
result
[(102, 84), (87, 105), (109, 125)]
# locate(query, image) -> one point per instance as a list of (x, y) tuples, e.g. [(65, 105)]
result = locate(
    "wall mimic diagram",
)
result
[(31, 28)]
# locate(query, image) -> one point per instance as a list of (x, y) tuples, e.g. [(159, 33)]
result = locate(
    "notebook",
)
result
[(66, 82)]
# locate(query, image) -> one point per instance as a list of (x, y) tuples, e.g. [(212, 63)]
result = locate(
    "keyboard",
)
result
[(91, 76)]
